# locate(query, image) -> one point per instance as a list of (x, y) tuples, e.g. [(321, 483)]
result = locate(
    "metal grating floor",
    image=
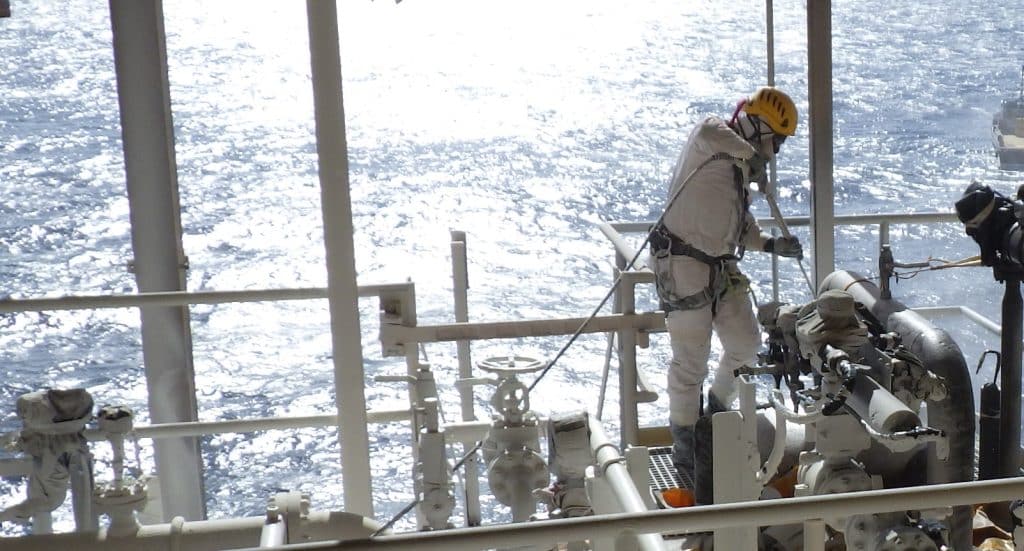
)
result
[(662, 472)]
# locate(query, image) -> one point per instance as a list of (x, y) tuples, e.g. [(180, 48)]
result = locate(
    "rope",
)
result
[(629, 266), (926, 266)]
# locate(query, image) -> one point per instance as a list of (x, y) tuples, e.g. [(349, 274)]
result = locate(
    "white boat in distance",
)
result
[(1008, 130)]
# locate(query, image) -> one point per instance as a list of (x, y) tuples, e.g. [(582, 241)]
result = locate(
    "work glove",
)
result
[(788, 247)]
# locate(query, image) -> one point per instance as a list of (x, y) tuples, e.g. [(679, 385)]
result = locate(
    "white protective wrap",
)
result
[(53, 423)]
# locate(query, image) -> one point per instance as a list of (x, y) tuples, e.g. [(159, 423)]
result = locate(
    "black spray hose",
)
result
[(988, 424), (954, 414)]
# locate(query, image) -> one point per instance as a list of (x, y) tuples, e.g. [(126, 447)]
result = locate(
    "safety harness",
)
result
[(665, 244)]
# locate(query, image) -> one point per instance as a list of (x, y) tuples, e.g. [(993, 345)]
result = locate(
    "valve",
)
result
[(511, 449)]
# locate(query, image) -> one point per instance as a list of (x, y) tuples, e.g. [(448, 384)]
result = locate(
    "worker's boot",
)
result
[(682, 452), (714, 405)]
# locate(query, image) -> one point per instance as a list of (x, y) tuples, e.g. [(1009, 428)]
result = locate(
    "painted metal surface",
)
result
[(150, 168)]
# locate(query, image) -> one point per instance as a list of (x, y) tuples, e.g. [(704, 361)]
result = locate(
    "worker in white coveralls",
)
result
[(694, 253)]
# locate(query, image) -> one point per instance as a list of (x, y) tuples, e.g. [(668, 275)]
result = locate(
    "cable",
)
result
[(618, 279), (926, 266)]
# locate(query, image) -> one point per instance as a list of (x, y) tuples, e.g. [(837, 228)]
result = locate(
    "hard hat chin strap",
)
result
[(736, 113)]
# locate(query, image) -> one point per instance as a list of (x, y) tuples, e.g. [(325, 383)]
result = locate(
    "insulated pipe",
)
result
[(940, 354)]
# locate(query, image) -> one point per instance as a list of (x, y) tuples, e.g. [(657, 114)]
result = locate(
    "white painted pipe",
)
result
[(621, 483), (203, 535), (771, 465), (182, 298), (690, 519)]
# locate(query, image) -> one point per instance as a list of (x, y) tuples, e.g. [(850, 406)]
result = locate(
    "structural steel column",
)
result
[(1010, 379), (140, 58), (819, 95), (335, 200)]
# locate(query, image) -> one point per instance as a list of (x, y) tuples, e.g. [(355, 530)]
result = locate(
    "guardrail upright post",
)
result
[(628, 422), (460, 288)]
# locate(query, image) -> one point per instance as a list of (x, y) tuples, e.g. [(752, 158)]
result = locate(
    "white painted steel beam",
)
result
[(335, 200), (140, 60), (647, 321), (819, 94)]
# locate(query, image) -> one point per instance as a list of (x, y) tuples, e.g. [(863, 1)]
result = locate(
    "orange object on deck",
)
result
[(678, 497)]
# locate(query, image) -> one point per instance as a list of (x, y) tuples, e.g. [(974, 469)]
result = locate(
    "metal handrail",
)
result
[(691, 519), (614, 230)]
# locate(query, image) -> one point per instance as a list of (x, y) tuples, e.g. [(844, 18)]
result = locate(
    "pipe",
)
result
[(689, 519), (621, 483), (202, 535), (771, 465), (1009, 379), (988, 429), (940, 353)]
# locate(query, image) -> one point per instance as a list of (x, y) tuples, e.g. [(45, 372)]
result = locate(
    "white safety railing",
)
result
[(693, 519)]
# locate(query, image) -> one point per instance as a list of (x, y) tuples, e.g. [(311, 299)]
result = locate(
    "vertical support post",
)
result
[(342, 291), (460, 288), (769, 23), (814, 535), (729, 477), (140, 59), (819, 81), (1010, 380), (775, 269), (628, 418)]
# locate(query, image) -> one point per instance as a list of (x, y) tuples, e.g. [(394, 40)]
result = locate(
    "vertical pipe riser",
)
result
[(1010, 381)]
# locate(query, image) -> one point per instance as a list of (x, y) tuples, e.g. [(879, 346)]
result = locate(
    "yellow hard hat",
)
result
[(774, 107)]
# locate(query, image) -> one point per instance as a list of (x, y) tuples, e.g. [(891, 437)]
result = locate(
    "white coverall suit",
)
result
[(711, 215)]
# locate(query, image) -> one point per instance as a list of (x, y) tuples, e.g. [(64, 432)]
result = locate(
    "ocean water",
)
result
[(523, 124)]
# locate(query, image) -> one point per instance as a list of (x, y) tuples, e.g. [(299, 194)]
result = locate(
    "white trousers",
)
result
[(690, 334)]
